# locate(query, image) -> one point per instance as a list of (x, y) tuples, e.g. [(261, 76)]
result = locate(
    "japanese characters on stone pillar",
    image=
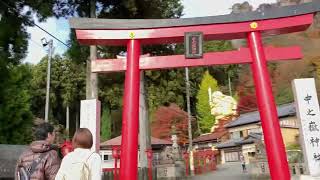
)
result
[(309, 122), (90, 118)]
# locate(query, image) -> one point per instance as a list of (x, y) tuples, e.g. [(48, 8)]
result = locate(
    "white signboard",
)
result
[(90, 118), (308, 113)]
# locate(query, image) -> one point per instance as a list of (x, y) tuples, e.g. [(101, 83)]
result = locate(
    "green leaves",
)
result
[(66, 87), (15, 112), (15, 95), (215, 46), (106, 124), (165, 87)]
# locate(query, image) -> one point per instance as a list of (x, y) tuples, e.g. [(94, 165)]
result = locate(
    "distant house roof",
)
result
[(229, 143), (209, 137), (252, 137), (117, 142), (254, 117)]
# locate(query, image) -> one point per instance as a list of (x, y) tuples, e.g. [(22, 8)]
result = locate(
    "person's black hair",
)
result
[(42, 130)]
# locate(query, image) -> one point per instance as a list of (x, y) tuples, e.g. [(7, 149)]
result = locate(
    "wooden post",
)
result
[(92, 78)]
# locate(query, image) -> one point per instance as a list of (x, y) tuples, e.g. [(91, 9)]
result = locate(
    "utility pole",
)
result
[(92, 78), (188, 108), (189, 118), (44, 44)]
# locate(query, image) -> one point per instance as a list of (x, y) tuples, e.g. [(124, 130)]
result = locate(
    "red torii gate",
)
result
[(137, 32)]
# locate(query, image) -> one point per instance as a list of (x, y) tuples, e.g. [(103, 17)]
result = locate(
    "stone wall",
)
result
[(170, 172), (9, 155)]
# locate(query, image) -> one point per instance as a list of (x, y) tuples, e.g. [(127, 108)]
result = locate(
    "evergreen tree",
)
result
[(15, 114), (105, 124), (67, 88), (205, 118)]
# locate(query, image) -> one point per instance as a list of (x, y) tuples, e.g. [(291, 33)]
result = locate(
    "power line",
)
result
[(50, 34), (36, 43), (36, 25)]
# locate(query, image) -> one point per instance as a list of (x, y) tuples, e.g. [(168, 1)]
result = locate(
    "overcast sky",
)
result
[(60, 27)]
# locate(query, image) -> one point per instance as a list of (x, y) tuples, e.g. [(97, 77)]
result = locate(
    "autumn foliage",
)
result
[(166, 117), (247, 100)]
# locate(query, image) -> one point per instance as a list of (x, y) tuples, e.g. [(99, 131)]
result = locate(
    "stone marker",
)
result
[(308, 113), (90, 118)]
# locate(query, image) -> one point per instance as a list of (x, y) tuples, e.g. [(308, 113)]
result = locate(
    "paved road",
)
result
[(228, 171)]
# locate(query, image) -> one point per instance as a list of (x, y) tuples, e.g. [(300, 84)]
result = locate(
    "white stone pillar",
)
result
[(308, 113), (90, 118)]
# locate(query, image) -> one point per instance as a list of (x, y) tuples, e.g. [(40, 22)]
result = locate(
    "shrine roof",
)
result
[(209, 137), (254, 117), (229, 143), (252, 138), (268, 13)]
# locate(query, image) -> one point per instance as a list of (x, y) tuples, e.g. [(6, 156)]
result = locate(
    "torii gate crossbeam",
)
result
[(241, 56), (250, 26)]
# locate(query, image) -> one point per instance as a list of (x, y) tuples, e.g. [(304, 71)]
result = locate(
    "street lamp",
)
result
[(50, 52)]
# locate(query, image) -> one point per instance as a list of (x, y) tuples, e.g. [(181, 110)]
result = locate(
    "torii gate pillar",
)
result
[(130, 122), (267, 108)]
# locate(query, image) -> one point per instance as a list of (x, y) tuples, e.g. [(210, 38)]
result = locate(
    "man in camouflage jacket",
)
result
[(41, 149)]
